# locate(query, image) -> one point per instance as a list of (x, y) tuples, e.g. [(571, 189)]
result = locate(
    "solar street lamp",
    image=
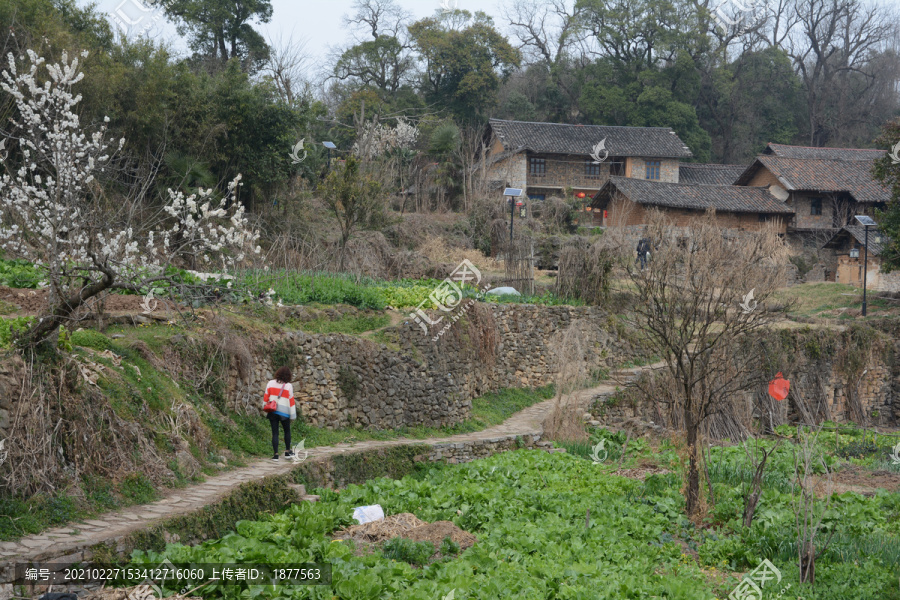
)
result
[(866, 221), (330, 146), (511, 193)]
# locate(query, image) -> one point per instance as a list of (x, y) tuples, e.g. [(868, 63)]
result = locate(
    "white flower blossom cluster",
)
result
[(206, 228), (376, 140), (50, 209)]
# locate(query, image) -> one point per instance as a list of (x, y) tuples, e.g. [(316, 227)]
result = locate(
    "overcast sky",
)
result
[(316, 21)]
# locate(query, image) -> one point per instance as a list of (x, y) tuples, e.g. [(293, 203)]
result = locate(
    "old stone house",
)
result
[(826, 187), (546, 158), (846, 259), (624, 202)]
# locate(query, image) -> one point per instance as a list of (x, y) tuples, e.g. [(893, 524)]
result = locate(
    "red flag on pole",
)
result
[(779, 387)]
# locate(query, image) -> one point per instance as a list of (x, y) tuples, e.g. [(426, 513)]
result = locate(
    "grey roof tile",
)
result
[(822, 175), (709, 174), (809, 152), (561, 138), (725, 198), (877, 240)]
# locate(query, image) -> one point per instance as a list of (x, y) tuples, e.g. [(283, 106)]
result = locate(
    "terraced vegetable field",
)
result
[(549, 526)]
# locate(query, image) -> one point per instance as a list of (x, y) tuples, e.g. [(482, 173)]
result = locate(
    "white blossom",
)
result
[(375, 139), (51, 200)]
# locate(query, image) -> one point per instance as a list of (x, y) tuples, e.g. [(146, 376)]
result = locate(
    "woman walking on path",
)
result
[(280, 391)]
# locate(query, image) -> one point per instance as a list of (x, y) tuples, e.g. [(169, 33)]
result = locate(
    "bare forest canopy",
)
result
[(727, 80)]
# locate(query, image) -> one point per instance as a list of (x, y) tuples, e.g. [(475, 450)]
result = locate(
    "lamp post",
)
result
[(866, 221), (330, 146), (512, 193)]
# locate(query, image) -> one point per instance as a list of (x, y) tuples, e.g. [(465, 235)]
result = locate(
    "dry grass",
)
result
[(568, 350), (584, 273), (438, 251), (97, 440), (408, 526), (378, 531)]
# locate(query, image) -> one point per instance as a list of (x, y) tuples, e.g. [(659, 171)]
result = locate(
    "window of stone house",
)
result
[(653, 169), (591, 169), (538, 167), (815, 206)]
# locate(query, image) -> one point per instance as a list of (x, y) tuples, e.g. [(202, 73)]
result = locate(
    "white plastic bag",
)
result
[(367, 514)]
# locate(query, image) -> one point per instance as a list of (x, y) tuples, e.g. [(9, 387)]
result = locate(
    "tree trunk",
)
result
[(750, 507), (808, 565), (64, 309), (692, 496), (220, 36), (752, 498), (344, 239)]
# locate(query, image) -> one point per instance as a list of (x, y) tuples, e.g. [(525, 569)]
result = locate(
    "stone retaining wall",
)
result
[(347, 381), (817, 388)]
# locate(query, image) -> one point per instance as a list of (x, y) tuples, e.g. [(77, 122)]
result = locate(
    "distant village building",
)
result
[(810, 195), (545, 159), (848, 259), (826, 187), (624, 202)]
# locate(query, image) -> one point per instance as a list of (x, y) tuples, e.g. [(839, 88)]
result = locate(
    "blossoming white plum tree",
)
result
[(55, 212)]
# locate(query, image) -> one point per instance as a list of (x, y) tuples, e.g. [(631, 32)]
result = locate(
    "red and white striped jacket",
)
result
[(286, 405)]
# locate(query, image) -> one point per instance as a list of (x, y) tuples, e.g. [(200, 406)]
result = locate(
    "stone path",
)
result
[(63, 544)]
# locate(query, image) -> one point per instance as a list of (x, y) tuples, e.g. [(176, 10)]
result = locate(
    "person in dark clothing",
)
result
[(281, 391), (643, 252)]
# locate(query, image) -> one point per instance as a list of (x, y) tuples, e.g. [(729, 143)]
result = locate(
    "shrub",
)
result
[(858, 449), (348, 382), (415, 553), (10, 328), (137, 488), (89, 338), (448, 547)]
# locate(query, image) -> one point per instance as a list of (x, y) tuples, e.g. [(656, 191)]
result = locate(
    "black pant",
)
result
[(286, 425)]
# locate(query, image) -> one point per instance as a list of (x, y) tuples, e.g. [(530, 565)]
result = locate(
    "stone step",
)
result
[(310, 498), (555, 450), (299, 488)]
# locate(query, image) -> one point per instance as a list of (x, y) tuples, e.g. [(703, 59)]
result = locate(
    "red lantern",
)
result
[(779, 387), (580, 195)]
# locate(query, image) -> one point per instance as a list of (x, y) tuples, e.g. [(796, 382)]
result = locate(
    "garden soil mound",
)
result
[(32, 302), (855, 479), (407, 525)]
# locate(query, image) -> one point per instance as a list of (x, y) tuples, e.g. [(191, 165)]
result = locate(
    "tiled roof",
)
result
[(877, 240), (560, 138), (821, 175), (808, 152), (709, 174), (724, 198)]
